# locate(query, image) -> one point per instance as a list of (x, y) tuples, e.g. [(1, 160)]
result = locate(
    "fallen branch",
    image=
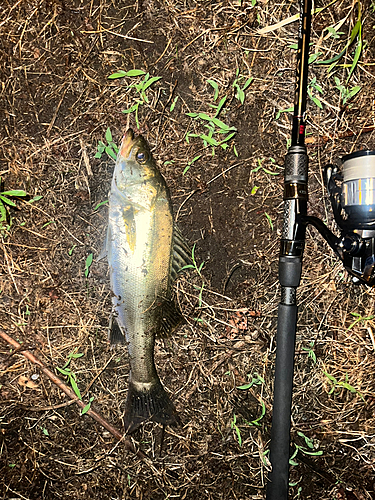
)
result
[(60, 384)]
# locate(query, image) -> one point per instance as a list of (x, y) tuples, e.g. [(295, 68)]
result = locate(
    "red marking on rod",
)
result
[(301, 129)]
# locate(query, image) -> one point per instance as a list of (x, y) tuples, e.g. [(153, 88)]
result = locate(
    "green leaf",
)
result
[(108, 135), (192, 115), (220, 106), (316, 101), (88, 263), (110, 152), (248, 81), (173, 104), (241, 96), (245, 386), (314, 57), (238, 432), (119, 74), (135, 72), (88, 406), (150, 82), (357, 54), (209, 140), (132, 72), (254, 190), (7, 201), (287, 110), (15, 192), (64, 371), (36, 198), (228, 138), (354, 91), (131, 109), (235, 150), (203, 116), (221, 124), (76, 355), (270, 172), (75, 388), (3, 213), (269, 220), (312, 453), (100, 204), (215, 86)]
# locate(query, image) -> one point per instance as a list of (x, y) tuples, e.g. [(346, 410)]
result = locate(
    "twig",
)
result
[(60, 384)]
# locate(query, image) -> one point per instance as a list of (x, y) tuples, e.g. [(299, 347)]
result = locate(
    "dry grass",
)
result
[(55, 57)]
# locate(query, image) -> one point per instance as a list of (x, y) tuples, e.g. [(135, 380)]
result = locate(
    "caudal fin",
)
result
[(149, 404)]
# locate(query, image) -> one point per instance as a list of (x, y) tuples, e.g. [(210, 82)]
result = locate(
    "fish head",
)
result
[(135, 164)]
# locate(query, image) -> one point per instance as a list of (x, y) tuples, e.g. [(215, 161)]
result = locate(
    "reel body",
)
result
[(352, 194)]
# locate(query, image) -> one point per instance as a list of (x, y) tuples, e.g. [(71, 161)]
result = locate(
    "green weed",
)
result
[(72, 378), (88, 263), (341, 384), (346, 94), (173, 104), (194, 264), (355, 36), (269, 220), (5, 200), (140, 87), (286, 110), (256, 379), (190, 164), (110, 148), (100, 204), (265, 170), (88, 406), (233, 425), (71, 250), (310, 351), (198, 269), (308, 449), (240, 90), (215, 126), (359, 318), (314, 86)]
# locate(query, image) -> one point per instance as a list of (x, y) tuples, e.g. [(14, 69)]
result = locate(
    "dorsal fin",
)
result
[(181, 253)]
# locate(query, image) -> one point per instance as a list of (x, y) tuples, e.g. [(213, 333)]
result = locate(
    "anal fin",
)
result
[(115, 334), (171, 318)]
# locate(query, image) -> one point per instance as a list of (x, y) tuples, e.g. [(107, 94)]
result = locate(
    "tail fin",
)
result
[(149, 404)]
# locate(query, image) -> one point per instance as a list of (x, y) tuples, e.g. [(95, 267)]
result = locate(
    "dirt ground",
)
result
[(57, 103)]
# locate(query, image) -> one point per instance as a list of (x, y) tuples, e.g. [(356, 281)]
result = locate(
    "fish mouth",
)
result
[(127, 143)]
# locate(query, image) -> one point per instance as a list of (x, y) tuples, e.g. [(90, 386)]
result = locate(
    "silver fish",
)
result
[(145, 252)]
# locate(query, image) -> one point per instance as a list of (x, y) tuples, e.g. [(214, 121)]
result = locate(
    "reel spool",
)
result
[(353, 204)]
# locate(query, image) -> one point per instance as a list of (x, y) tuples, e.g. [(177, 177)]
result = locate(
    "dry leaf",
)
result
[(26, 382)]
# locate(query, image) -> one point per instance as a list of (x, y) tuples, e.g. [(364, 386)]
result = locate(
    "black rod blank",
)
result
[(290, 267)]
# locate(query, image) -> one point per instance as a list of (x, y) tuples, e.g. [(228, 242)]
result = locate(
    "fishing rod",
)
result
[(352, 195)]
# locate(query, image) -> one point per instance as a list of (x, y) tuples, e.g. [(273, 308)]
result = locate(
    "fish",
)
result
[(145, 252)]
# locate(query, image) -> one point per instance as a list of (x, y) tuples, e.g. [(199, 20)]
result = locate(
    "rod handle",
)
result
[(277, 488)]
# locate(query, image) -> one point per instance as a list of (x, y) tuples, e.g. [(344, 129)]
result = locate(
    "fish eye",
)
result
[(142, 156)]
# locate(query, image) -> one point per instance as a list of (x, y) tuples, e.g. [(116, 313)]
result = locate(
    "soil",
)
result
[(57, 103)]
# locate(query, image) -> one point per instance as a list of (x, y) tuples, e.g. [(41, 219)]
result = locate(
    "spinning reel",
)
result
[(352, 195)]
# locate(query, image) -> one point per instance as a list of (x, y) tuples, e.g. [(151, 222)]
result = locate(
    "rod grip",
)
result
[(277, 488)]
